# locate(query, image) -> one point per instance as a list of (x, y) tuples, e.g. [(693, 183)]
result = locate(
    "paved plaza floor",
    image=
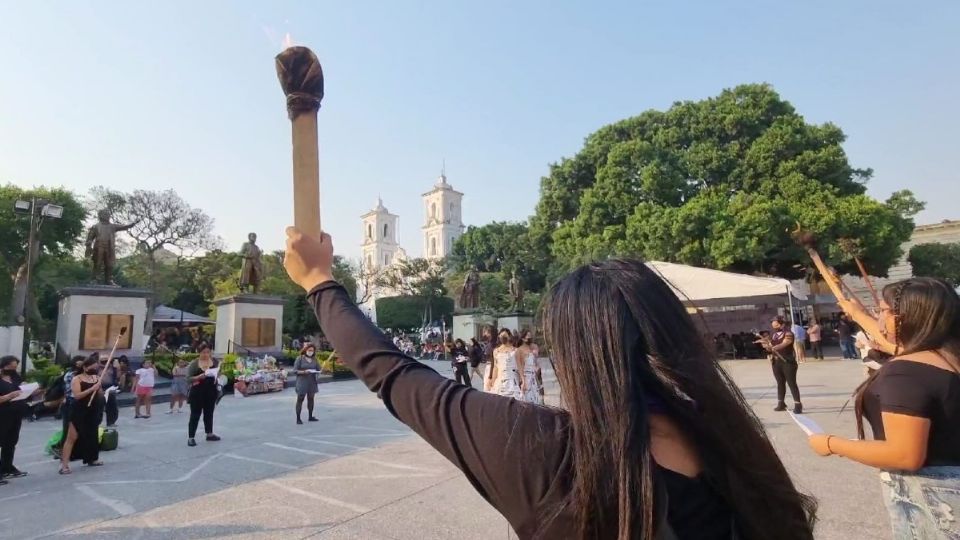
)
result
[(358, 473)]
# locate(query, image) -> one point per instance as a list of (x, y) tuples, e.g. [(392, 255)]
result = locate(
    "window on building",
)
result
[(433, 210), (386, 259), (433, 246), (384, 230), (451, 209), (369, 261), (369, 231)]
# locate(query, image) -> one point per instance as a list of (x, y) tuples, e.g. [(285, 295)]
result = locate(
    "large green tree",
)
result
[(936, 260), (57, 239), (718, 183), (501, 247)]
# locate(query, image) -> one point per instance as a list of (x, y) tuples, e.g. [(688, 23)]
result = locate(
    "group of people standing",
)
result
[(515, 370)]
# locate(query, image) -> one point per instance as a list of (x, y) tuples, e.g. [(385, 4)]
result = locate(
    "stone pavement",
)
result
[(356, 474)]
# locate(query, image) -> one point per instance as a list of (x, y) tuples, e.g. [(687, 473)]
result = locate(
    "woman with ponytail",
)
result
[(912, 404), (654, 441)]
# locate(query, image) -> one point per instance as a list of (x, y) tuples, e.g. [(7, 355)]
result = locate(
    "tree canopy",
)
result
[(57, 239), (501, 247), (718, 183), (936, 260)]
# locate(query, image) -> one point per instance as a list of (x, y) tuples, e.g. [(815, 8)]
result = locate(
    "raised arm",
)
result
[(482, 434), (126, 227), (851, 306)]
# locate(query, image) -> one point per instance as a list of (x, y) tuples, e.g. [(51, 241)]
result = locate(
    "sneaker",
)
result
[(780, 407), (113, 425), (299, 422), (191, 442), (213, 438), (137, 416), (169, 412), (15, 473), (797, 408), (180, 410), (312, 419)]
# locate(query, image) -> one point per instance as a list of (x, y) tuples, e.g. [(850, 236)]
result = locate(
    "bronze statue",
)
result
[(102, 246), (516, 292), (470, 294), (251, 271)]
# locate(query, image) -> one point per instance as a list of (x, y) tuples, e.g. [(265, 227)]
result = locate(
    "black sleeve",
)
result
[(509, 451), (902, 390)]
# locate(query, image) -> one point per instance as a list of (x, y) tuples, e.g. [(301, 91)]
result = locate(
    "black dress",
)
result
[(85, 417)]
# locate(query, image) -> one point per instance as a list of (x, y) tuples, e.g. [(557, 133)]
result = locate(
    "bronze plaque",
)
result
[(113, 330), (99, 331), (250, 332), (93, 331), (268, 332)]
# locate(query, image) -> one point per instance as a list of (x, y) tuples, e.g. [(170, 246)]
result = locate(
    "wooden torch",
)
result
[(301, 79)]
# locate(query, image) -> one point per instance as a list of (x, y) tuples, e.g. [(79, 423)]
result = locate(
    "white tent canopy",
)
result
[(703, 287)]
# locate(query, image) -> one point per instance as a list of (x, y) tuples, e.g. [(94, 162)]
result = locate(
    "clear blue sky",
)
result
[(183, 94)]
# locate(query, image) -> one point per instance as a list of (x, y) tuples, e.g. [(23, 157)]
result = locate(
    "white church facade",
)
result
[(380, 249)]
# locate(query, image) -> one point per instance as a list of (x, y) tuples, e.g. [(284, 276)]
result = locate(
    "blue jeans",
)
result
[(923, 505), (848, 348)]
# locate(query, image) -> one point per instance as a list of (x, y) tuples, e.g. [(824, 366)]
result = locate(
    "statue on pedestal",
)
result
[(251, 271), (101, 246), (470, 294), (516, 293)]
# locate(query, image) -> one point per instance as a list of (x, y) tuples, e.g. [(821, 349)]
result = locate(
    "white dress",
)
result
[(508, 379), (530, 367)]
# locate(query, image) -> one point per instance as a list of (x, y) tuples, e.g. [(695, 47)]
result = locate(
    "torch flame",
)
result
[(287, 41)]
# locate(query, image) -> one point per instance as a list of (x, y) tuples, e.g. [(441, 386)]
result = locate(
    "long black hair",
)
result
[(926, 312), (621, 341)]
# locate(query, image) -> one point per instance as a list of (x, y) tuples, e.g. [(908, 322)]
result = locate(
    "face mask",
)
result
[(10, 369), (91, 371), (310, 353)]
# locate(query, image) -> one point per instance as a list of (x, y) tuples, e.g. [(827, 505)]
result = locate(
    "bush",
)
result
[(44, 376), (331, 364), (164, 362)]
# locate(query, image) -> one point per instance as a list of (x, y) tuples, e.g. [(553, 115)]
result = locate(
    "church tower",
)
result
[(380, 247), (443, 222)]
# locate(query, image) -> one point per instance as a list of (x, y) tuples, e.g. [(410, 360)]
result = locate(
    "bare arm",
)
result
[(904, 449), (785, 344), (78, 394), (851, 307)]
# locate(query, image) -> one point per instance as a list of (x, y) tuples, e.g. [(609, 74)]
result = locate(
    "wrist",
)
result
[(828, 445), (315, 278)]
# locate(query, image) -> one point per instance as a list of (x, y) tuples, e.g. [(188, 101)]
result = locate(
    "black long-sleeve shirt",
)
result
[(516, 455)]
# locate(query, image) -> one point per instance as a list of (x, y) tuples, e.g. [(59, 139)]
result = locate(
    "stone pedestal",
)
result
[(249, 324), (516, 321), (90, 319), (469, 325)]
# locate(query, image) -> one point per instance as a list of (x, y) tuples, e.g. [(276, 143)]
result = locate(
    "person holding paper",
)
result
[(654, 440), (306, 368), (12, 408), (912, 404), (203, 395)]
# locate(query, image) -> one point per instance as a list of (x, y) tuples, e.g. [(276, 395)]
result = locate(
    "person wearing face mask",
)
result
[(11, 416), (784, 363), (306, 368), (85, 416), (504, 377)]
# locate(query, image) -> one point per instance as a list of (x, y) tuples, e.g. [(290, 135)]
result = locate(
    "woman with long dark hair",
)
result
[(655, 440), (912, 404), (83, 434), (203, 395)]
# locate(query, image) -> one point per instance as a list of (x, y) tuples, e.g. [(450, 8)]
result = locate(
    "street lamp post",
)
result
[(38, 209)]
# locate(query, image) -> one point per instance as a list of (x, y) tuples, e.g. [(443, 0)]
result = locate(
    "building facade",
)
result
[(443, 222)]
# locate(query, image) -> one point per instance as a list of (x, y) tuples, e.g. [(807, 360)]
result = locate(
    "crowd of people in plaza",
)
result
[(654, 440)]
